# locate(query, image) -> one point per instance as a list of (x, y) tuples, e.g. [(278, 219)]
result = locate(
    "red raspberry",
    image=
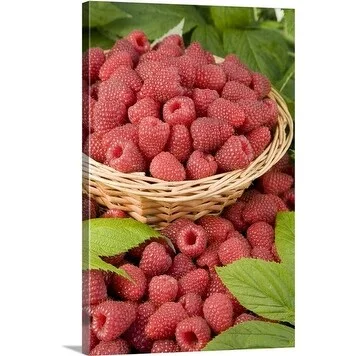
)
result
[(116, 89), (233, 213), (155, 260), (127, 132), (260, 208), (209, 258), (115, 347), (193, 333), (179, 143), (209, 134), (192, 240), (93, 287), (289, 198), (248, 195), (89, 208), (275, 253), (163, 322), (111, 319), (124, 45), (92, 61), (200, 165), (94, 148), (256, 114), (171, 231), (244, 317), (113, 62), (139, 41), (143, 108), (202, 99), (210, 57), (236, 153), (154, 56), (280, 204), (170, 50), (153, 135), (276, 182), (218, 312), (217, 227), (192, 303), (89, 339), (126, 289), (173, 39), (195, 281), (165, 345), (93, 92), (271, 109), (179, 111), (114, 213), (262, 253), (236, 70), (166, 167), (210, 76), (234, 91), (128, 76), (260, 234), (116, 261), (260, 84), (283, 165), (162, 289), (186, 70), (223, 109), (88, 105), (124, 156), (147, 69), (181, 265), (259, 139), (215, 284), (233, 249), (197, 53)]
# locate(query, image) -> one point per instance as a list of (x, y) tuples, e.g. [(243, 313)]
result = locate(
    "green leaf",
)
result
[(288, 75), (232, 17), (209, 38), (285, 237), (93, 38), (176, 30), (253, 334), (266, 288), (262, 50), (289, 22)]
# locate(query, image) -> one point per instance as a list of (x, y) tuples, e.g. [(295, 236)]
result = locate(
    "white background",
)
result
[(40, 147)]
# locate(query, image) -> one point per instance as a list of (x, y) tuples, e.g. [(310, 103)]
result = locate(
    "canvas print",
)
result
[(188, 178)]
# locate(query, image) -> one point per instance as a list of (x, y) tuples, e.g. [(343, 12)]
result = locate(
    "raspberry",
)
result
[(275, 253), (162, 289), (147, 69), (260, 84), (155, 260), (154, 56), (88, 105), (89, 339), (259, 139), (139, 41), (262, 253), (124, 45), (234, 91), (111, 319), (143, 108), (223, 109), (114, 213), (124, 156), (202, 99), (233, 213), (200, 165), (283, 165), (181, 265), (117, 261), (236, 153), (193, 333), (179, 143), (244, 317), (289, 198), (235, 70), (127, 132), (195, 281), (94, 148), (186, 70), (173, 39), (92, 61), (93, 287), (113, 62), (260, 234), (280, 204), (249, 194), (115, 347), (94, 90), (210, 76), (171, 231), (271, 109), (256, 114), (163, 322), (116, 89), (215, 285), (218, 312), (233, 249), (128, 76), (192, 240), (260, 208), (192, 303), (89, 208), (170, 50), (164, 345), (276, 182), (166, 167), (209, 258), (217, 227), (179, 111), (209, 134), (153, 135), (196, 52)]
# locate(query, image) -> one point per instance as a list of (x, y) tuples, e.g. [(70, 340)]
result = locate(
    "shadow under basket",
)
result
[(158, 202)]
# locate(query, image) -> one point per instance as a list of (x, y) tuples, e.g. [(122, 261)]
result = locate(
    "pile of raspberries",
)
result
[(173, 112), (176, 301)]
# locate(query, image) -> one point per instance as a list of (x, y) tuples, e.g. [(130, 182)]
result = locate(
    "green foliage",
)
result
[(232, 17), (210, 39)]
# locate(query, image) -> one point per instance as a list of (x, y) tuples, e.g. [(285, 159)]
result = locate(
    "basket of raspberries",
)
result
[(171, 131)]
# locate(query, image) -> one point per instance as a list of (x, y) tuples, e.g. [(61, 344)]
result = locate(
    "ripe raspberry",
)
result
[(147, 69), (289, 198), (153, 135), (271, 109), (209, 134), (210, 76), (259, 139), (209, 258), (124, 156), (260, 234), (92, 61), (260, 84), (115, 347), (280, 204), (89, 208), (116, 89), (171, 231), (275, 253), (114, 213), (162, 289), (126, 289), (262, 253), (93, 92), (88, 105), (193, 333), (215, 284), (249, 194), (233, 213), (233, 249), (124, 45), (139, 41), (236, 153), (89, 339), (217, 227), (192, 240), (244, 317), (200, 165), (94, 148), (113, 62), (128, 76), (256, 114), (179, 111), (127, 132), (202, 99), (192, 303), (195, 281), (111, 319), (143, 108), (170, 50), (197, 53), (186, 70), (179, 143), (276, 182), (218, 312), (283, 165), (116, 260), (155, 260), (93, 287), (181, 265), (223, 109), (166, 167), (236, 70), (234, 91), (163, 322), (154, 56), (260, 208), (164, 345)]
